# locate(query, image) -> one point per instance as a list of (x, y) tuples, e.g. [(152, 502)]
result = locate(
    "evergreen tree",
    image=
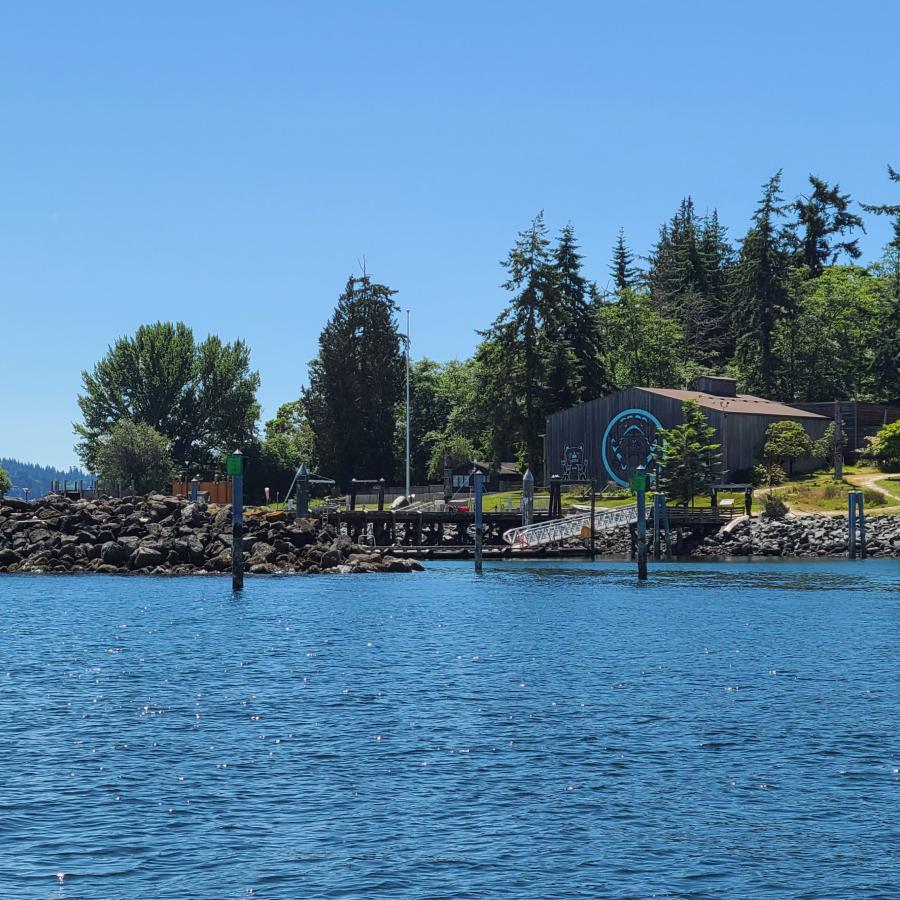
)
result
[(823, 216), (623, 270), (761, 290), (511, 356), (356, 383), (687, 277), (575, 371), (886, 361), (689, 456), (5, 483)]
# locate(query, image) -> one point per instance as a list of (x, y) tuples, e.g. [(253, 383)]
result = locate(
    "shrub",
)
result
[(873, 498), (770, 475), (773, 506), (884, 448)]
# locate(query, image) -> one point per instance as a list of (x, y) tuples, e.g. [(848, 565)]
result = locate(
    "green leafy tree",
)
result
[(886, 360), (645, 348), (787, 440), (5, 483), (356, 383), (134, 453), (884, 448), (690, 458), (200, 397), (459, 449), (289, 437), (761, 291), (820, 232), (826, 347)]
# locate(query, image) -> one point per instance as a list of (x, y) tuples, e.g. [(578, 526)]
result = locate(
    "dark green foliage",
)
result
[(648, 346), (761, 295), (136, 456), (200, 397), (356, 385), (575, 367), (688, 279), (886, 358), (5, 481), (884, 448), (623, 270), (690, 458), (822, 217), (37, 479)]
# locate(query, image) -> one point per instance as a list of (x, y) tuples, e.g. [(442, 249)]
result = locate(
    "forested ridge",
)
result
[(788, 308)]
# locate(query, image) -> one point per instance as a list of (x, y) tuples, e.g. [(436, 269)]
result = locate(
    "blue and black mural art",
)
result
[(629, 441)]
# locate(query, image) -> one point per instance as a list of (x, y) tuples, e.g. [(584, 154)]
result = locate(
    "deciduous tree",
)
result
[(200, 397)]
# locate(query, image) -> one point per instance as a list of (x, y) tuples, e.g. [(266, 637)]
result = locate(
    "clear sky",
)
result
[(231, 163)]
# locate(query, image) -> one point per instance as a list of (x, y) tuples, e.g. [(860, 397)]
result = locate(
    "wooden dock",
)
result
[(454, 532)]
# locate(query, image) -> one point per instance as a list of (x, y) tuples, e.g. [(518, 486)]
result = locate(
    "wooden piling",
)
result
[(479, 489), (236, 469)]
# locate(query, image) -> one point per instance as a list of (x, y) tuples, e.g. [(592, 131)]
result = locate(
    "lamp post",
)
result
[(407, 406)]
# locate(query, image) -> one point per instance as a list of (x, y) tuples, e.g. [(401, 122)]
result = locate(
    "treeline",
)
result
[(787, 309), (36, 479)]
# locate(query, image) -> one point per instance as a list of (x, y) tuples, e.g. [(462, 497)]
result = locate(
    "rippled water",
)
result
[(544, 731)]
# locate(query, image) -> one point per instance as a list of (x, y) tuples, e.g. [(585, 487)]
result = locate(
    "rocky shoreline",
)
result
[(158, 535), (801, 536)]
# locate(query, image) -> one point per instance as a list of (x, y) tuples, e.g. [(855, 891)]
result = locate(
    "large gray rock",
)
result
[(113, 553), (146, 557)]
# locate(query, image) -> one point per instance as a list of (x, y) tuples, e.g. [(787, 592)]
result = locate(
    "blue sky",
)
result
[(230, 164)]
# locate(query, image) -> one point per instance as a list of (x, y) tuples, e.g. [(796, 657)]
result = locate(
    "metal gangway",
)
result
[(569, 527)]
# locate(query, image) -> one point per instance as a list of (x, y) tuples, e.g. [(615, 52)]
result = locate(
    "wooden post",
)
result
[(380, 495), (748, 502), (527, 497), (664, 513), (479, 488), (195, 488), (237, 521), (838, 442), (593, 525), (301, 510), (352, 494)]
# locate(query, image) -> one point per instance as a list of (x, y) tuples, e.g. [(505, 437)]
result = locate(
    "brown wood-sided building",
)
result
[(609, 437)]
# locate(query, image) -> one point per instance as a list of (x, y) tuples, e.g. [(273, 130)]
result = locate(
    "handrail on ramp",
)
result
[(569, 527)]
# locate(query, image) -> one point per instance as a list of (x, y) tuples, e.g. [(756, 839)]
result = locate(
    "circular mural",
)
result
[(627, 443)]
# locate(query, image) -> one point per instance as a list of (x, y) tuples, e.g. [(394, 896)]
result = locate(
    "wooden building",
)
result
[(610, 437)]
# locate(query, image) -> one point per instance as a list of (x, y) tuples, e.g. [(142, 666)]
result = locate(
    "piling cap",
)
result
[(303, 472), (528, 476)]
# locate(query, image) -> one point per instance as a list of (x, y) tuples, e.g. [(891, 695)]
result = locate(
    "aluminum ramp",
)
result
[(569, 527)]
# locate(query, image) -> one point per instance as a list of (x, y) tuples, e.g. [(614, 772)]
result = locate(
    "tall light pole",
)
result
[(407, 406)]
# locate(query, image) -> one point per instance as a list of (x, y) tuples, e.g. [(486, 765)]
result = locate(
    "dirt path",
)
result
[(870, 480)]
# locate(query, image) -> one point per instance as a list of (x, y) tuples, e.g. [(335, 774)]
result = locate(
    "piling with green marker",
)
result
[(234, 468)]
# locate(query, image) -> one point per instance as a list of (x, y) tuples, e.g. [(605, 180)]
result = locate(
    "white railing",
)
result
[(569, 527)]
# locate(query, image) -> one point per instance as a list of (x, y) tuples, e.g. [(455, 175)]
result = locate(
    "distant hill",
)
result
[(37, 478)]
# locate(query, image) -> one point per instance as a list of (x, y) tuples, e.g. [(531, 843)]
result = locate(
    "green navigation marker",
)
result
[(638, 483), (234, 464)]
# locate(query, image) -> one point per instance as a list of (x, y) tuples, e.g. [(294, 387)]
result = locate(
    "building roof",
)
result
[(742, 404)]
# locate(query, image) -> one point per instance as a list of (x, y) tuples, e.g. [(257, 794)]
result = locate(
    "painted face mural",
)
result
[(627, 443)]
